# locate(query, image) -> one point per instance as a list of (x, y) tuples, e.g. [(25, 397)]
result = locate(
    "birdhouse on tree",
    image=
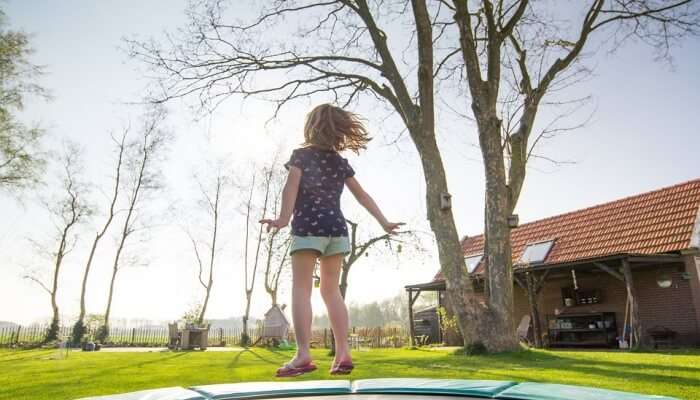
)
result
[(275, 325)]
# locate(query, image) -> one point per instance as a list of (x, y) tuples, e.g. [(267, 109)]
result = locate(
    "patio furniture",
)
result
[(661, 335), (173, 337), (523, 329), (194, 337), (422, 340)]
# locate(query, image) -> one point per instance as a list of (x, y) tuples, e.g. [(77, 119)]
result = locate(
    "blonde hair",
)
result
[(333, 128)]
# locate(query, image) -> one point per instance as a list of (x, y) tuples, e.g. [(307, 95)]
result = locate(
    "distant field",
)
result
[(37, 374)]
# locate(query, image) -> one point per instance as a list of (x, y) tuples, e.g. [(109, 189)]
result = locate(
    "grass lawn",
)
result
[(36, 374)]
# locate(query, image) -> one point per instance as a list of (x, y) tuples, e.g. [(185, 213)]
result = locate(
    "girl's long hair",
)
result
[(333, 128)]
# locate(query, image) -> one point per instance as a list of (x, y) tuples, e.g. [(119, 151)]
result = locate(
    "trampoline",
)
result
[(383, 389)]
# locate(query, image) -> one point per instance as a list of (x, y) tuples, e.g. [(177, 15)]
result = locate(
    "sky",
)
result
[(642, 136)]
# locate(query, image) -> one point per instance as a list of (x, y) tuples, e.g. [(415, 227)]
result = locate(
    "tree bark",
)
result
[(534, 310), (500, 329)]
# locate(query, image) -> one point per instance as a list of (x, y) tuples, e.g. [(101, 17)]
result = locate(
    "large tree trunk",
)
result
[(421, 125), (499, 329), (460, 290)]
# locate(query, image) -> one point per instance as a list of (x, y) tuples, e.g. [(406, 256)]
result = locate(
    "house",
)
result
[(587, 276)]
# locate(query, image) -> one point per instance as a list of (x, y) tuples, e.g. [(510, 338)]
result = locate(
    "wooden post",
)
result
[(635, 321), (133, 335), (441, 339), (534, 310), (411, 328), (411, 301), (19, 329), (692, 268)]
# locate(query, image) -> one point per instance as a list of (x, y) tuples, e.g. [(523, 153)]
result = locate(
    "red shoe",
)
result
[(289, 371), (343, 368)]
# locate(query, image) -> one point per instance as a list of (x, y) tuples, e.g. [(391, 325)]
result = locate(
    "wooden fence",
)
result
[(158, 336)]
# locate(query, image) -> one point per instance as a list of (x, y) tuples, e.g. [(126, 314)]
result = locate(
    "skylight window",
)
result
[(472, 262), (536, 253)]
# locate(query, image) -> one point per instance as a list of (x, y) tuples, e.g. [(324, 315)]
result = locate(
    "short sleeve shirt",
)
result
[(317, 207)]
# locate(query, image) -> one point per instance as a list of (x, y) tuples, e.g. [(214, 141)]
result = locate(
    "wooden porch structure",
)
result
[(413, 292), (532, 279)]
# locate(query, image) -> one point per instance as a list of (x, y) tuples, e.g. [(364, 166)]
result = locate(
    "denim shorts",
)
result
[(325, 245)]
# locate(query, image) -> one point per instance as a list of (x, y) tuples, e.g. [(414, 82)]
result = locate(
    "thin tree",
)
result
[(142, 177), (211, 200), (68, 211), (351, 55), (277, 243), (120, 146), (250, 264), (276, 261), (22, 161)]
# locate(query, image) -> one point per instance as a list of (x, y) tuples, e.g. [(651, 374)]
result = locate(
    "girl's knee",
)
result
[(329, 292)]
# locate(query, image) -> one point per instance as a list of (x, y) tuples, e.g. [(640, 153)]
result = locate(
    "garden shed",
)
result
[(275, 324)]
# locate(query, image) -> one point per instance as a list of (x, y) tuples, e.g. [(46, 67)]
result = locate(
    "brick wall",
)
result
[(671, 307)]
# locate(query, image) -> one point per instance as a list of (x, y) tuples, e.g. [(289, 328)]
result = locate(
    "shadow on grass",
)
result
[(266, 360), (29, 355), (506, 366)]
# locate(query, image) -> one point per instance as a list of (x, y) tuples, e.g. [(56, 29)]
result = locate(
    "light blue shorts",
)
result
[(325, 245)]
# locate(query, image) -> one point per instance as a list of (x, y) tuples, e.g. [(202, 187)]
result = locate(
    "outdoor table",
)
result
[(194, 337)]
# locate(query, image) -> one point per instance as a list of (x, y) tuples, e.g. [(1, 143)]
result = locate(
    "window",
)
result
[(472, 262), (536, 253)]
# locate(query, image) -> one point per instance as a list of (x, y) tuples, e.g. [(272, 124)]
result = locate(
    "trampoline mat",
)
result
[(383, 389), (381, 396)]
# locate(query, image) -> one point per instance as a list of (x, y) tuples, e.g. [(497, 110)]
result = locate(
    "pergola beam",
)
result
[(610, 271)]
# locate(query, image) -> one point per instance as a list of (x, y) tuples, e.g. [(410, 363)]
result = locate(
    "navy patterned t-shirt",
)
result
[(317, 207)]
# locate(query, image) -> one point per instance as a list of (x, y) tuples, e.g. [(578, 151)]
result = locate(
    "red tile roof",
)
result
[(660, 221)]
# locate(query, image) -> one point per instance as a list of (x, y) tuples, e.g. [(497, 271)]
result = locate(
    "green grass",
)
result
[(36, 374)]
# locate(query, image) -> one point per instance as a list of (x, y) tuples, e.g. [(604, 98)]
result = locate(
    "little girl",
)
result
[(317, 175)]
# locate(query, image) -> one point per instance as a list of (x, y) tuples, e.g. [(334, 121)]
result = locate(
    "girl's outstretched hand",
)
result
[(274, 223), (391, 227)]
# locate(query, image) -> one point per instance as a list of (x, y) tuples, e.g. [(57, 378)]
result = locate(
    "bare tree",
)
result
[(120, 146), (67, 212), (211, 201), (276, 261), (359, 247), (277, 245), (514, 54), (142, 178), (351, 56), (250, 264)]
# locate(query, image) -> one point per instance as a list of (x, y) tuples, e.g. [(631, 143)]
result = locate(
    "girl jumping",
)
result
[(317, 175)]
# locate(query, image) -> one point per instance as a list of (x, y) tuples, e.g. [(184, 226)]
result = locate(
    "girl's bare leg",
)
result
[(303, 263), (337, 311)]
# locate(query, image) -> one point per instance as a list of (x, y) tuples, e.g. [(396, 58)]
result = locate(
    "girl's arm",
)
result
[(289, 197), (368, 202)]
